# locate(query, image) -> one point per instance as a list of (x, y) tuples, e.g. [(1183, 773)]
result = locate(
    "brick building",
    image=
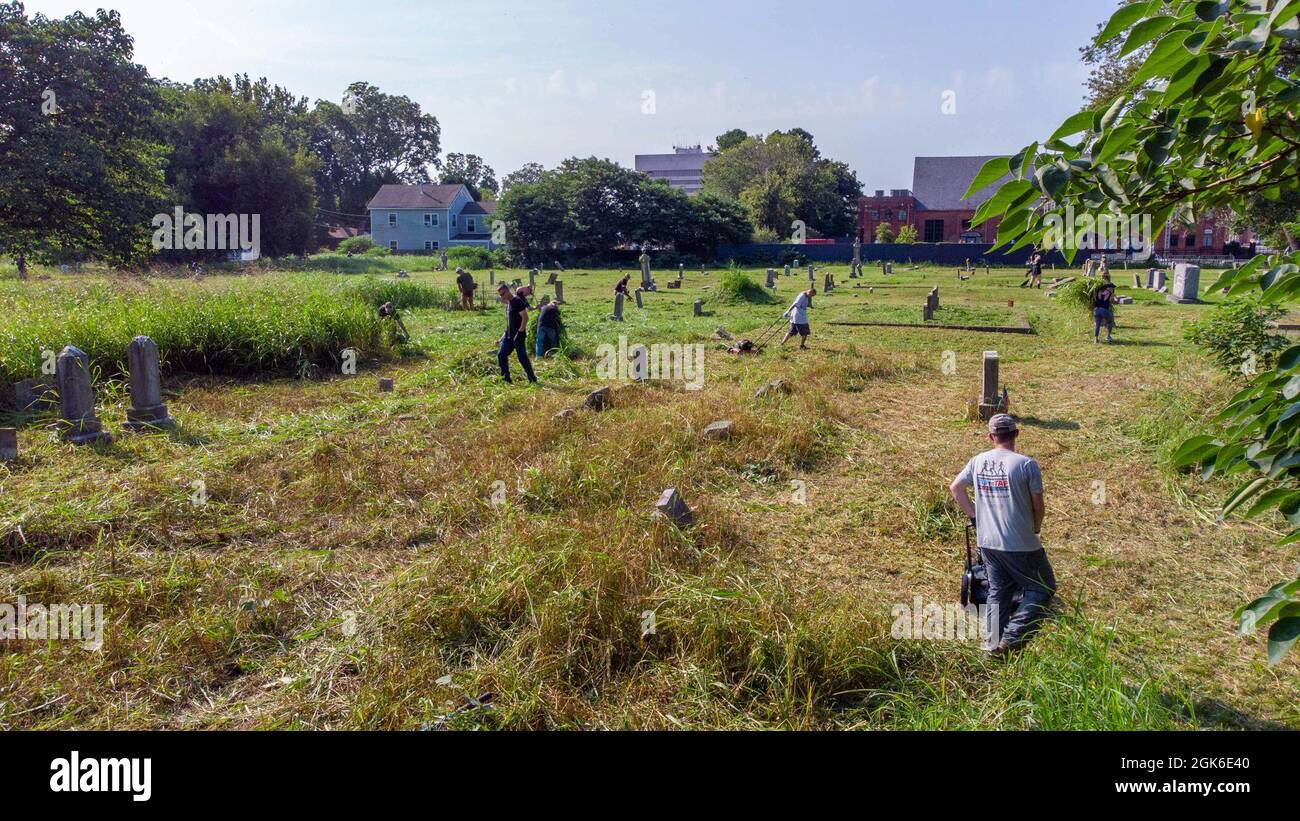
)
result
[(934, 205), (936, 208)]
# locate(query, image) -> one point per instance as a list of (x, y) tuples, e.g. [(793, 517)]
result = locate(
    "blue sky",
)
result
[(540, 81)]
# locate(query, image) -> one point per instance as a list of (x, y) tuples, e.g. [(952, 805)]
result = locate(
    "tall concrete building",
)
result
[(682, 168)]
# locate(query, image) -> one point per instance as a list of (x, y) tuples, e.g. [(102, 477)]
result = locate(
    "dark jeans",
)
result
[(1021, 586), (547, 339), (1104, 316), (520, 346)]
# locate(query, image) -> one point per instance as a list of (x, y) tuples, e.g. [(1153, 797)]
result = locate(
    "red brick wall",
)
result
[(874, 210)]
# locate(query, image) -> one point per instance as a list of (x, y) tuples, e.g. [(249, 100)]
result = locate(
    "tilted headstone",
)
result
[(990, 391), (671, 507), (147, 410), (1137, 280), (559, 292), (550, 278), (8, 445), (77, 398), (599, 400), (618, 308), (699, 307), (639, 302), (1187, 284)]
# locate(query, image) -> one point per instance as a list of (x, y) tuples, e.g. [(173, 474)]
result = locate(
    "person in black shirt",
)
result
[(621, 287), (516, 338), (1103, 309)]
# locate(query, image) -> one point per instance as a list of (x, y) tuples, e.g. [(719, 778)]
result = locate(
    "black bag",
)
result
[(975, 580)]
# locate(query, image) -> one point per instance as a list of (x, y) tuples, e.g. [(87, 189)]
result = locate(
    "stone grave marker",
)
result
[(771, 277), (1187, 284), (8, 445), (720, 431), (671, 507), (639, 302), (386, 384), (646, 281), (990, 392), (550, 278), (147, 411), (559, 292), (618, 308), (36, 394), (77, 398), (699, 307), (599, 400)]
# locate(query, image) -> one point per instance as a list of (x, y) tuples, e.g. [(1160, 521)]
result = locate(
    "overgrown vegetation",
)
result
[(1239, 336)]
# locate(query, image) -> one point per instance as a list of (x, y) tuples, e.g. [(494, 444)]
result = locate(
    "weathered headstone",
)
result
[(8, 445), (1187, 284), (812, 273), (1137, 280), (990, 392), (787, 269), (645, 270), (492, 277), (559, 292), (889, 267), (699, 307), (532, 278), (567, 413), (1151, 279), (934, 300), (550, 278), (1160, 281), (927, 312), (671, 507), (77, 398), (618, 308), (720, 431), (599, 400), (639, 302), (386, 384), (147, 411), (35, 394), (771, 277)]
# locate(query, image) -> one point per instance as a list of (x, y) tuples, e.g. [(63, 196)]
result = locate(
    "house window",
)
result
[(428, 246), (934, 230), (1209, 237), (902, 216), (392, 220), (392, 245), (875, 213), (469, 225)]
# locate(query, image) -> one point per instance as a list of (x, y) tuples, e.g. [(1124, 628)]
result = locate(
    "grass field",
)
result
[(345, 565)]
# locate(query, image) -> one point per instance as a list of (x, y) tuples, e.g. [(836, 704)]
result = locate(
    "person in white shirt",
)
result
[(798, 313)]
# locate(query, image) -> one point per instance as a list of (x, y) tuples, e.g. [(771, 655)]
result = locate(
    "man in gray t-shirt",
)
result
[(1008, 513)]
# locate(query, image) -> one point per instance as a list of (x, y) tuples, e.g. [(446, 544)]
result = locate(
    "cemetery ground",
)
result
[(315, 553)]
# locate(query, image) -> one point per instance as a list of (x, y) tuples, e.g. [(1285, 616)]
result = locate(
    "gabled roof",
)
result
[(427, 195), (938, 183), (485, 208)]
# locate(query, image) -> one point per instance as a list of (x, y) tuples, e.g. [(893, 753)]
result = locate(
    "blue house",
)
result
[(423, 219)]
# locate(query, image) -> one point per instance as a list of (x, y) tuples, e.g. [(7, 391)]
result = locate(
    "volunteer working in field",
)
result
[(1008, 514), (798, 313), (516, 336)]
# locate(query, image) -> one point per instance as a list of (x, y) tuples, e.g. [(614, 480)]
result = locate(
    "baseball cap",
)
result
[(1003, 423)]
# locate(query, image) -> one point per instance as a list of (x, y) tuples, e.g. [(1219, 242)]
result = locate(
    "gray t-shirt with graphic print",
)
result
[(1003, 480)]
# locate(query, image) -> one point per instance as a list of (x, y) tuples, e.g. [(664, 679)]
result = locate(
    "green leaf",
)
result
[(1209, 10), (1145, 32), (1083, 121), (1123, 19), (1190, 451), (1243, 494), (993, 170), (1281, 638), (1113, 112), (1166, 58), (1052, 180), (1289, 358)]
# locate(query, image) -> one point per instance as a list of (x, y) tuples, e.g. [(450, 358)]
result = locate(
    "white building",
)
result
[(681, 169)]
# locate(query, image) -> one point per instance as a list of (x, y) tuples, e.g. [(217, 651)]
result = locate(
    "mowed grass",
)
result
[(348, 567)]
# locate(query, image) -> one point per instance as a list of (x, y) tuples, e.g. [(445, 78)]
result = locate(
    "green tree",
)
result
[(530, 174), (469, 170), (1207, 121), (372, 139), (884, 233), (730, 139), (81, 154), (906, 235), (229, 157)]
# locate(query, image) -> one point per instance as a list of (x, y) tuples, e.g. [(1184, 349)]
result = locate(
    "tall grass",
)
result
[(235, 329)]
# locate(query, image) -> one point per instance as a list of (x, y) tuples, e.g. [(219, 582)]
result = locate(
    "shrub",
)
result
[(906, 235), (1235, 330), (736, 286), (356, 245), (471, 258)]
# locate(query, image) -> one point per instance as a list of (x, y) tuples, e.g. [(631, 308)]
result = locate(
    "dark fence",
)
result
[(937, 253)]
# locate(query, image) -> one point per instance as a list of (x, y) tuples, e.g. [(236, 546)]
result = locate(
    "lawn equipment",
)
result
[(975, 579)]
